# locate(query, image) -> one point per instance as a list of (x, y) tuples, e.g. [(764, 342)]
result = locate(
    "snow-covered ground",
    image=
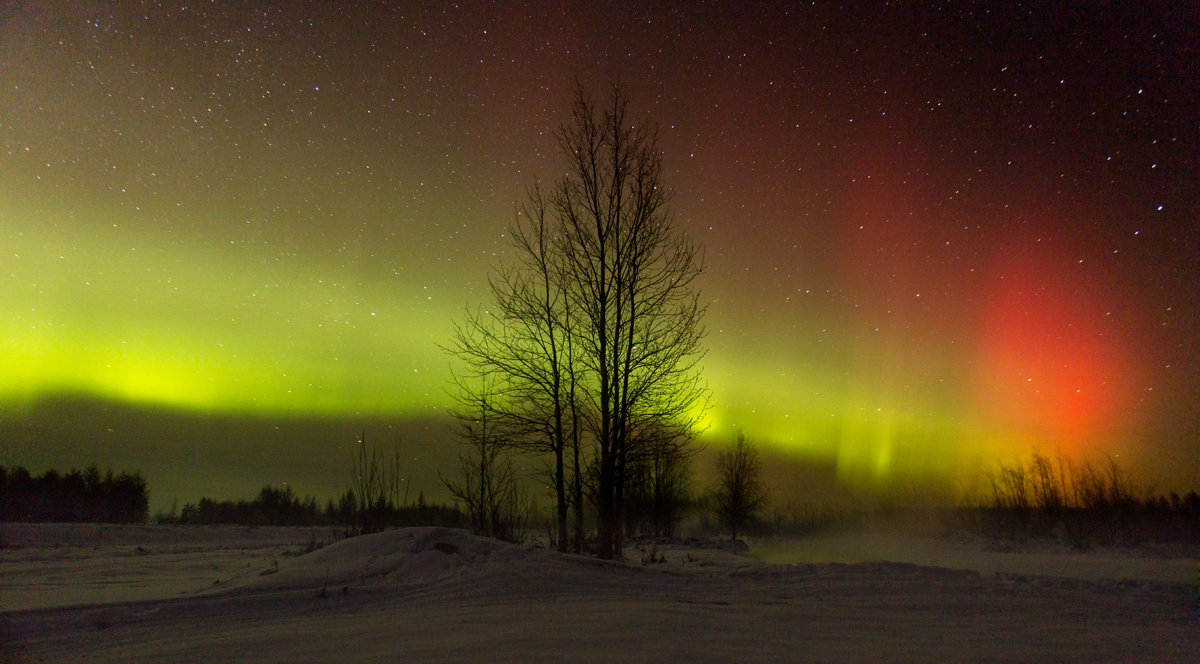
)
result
[(221, 594)]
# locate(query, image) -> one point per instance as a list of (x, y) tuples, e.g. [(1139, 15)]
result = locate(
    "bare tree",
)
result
[(486, 482), (521, 347), (375, 484), (594, 335), (740, 493), (632, 293)]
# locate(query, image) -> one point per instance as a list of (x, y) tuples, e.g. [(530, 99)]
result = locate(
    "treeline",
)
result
[(77, 496), (1084, 504), (282, 507)]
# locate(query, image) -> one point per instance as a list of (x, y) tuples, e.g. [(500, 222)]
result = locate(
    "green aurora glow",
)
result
[(279, 213)]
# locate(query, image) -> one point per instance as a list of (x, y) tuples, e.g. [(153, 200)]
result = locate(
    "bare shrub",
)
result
[(1079, 504), (375, 483)]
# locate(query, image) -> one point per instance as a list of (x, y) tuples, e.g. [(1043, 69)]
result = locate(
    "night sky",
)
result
[(937, 235)]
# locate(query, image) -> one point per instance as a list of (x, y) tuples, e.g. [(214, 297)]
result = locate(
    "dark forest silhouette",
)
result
[(87, 496), (280, 506)]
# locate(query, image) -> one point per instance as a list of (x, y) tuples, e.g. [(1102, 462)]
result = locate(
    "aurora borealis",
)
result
[(935, 236)]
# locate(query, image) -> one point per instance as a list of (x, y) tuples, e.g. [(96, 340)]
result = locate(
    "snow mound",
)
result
[(410, 555)]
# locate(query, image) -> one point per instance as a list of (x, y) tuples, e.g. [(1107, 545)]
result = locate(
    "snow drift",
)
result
[(434, 594)]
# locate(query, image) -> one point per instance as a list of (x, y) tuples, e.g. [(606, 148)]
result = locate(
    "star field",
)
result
[(936, 234)]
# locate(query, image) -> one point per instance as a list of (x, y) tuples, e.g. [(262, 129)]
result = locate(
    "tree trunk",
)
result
[(560, 494)]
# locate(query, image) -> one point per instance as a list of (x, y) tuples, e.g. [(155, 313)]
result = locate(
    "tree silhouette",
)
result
[(375, 485), (740, 493), (486, 482), (521, 348), (593, 336), (659, 490), (78, 496)]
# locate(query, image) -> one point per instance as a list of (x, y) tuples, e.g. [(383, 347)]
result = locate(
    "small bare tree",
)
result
[(487, 482), (741, 494), (375, 486)]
